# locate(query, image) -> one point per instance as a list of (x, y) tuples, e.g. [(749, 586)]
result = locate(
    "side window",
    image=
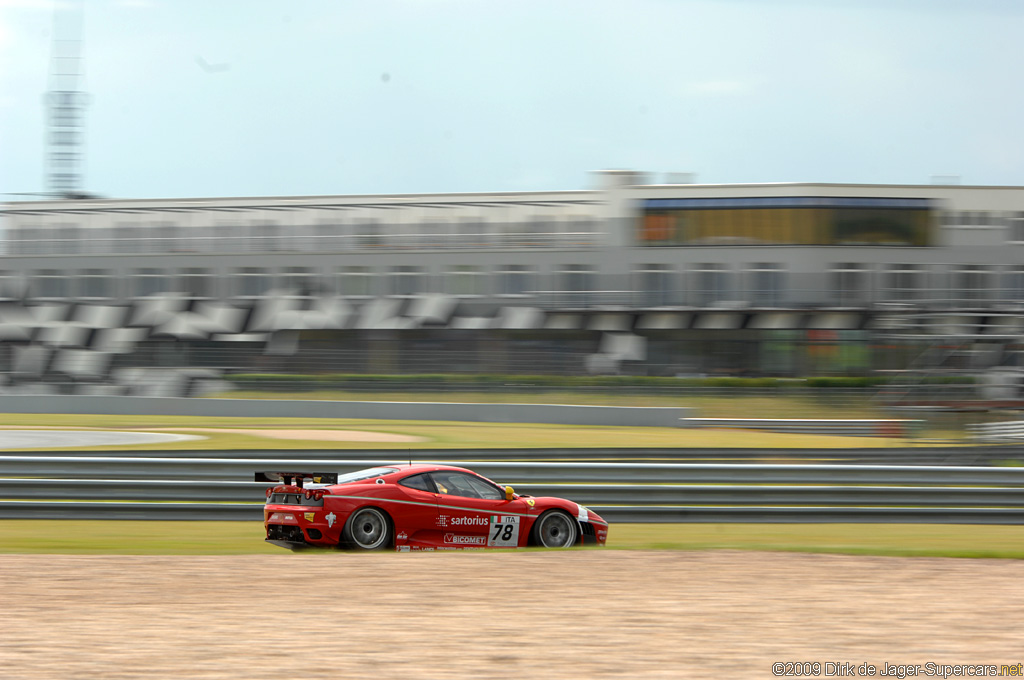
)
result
[(420, 482), (458, 484), (484, 489)]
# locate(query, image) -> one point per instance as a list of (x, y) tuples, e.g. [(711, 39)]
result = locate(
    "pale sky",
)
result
[(299, 97)]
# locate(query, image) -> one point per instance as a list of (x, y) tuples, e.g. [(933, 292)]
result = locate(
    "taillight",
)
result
[(318, 495), (308, 494), (270, 490)]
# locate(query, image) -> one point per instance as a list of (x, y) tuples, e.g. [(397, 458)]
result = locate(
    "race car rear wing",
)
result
[(298, 477)]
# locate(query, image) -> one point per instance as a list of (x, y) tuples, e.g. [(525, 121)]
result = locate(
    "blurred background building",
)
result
[(630, 277)]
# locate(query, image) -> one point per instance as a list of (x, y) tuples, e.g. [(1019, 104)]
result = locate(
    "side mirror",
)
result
[(510, 494)]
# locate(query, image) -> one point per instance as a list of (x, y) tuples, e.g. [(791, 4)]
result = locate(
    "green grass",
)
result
[(916, 540), (113, 537), (437, 434), (232, 538)]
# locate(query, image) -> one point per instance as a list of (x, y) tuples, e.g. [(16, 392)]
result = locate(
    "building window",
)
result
[(228, 237), (11, 285), (127, 239), (28, 241), (999, 220), (577, 277), (657, 229), (95, 283), (253, 282), (975, 218), (67, 240), (164, 237), (51, 283), (1013, 284), (199, 239), (472, 232), (973, 283), (582, 231), (546, 230), (356, 282), (97, 241), (767, 281), (301, 281), (330, 236), (653, 285), (515, 279), (406, 281), (577, 284), (46, 241), (713, 283), (466, 281), (435, 232), (523, 234), (17, 242), (1016, 227), (904, 282), (265, 237), (150, 282), (368, 234), (793, 220), (196, 282), (851, 284)]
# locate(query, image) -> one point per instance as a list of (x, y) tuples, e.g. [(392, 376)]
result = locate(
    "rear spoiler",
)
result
[(298, 477)]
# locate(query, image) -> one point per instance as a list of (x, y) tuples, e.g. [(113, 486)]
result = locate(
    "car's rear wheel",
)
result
[(555, 529), (368, 529)]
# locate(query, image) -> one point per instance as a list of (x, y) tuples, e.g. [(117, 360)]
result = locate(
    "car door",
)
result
[(415, 516), (473, 512)]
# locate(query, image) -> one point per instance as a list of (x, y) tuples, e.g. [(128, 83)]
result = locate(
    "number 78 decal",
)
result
[(504, 531)]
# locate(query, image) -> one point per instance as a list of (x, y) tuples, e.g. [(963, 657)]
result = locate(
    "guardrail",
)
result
[(112, 487), (100, 490), (241, 469), (936, 455), (1010, 432)]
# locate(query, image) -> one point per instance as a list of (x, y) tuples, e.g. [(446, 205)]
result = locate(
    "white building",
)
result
[(686, 268)]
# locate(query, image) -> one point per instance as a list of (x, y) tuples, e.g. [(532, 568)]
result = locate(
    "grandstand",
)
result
[(787, 279)]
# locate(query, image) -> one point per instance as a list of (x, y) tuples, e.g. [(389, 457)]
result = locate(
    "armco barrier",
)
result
[(942, 455), (106, 490), (878, 456), (241, 469), (253, 512), (1009, 432), (66, 487), (811, 515), (561, 414)]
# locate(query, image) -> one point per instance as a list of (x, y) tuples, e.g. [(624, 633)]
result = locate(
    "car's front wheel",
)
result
[(367, 529), (555, 529)]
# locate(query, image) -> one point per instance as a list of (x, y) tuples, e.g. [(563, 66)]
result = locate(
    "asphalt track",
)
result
[(51, 439)]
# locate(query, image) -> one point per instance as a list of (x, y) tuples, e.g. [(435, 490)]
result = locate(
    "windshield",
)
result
[(368, 473)]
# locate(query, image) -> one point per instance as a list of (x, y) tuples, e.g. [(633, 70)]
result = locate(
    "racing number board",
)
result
[(504, 531)]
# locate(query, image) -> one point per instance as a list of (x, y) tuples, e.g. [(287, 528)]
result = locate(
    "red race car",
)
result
[(418, 506)]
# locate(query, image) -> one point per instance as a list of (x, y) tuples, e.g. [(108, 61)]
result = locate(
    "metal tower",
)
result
[(65, 103)]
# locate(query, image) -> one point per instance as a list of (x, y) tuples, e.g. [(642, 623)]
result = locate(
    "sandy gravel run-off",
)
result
[(587, 614), (311, 435), (52, 438)]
